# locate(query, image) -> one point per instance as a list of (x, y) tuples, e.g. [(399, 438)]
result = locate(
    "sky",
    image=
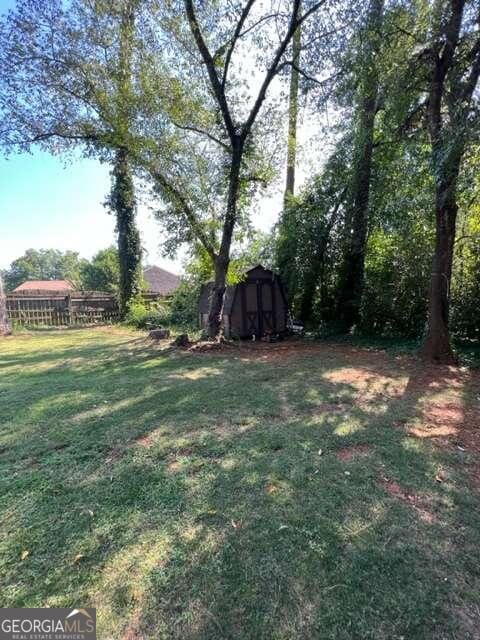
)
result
[(46, 203), (50, 204)]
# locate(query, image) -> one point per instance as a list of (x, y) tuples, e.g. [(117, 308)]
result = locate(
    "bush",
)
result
[(184, 304), (141, 316)]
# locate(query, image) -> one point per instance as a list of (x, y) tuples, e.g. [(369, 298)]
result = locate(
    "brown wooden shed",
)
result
[(257, 306)]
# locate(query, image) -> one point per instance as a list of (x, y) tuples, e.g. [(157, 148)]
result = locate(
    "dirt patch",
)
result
[(421, 504), (207, 346), (132, 632), (348, 453), (174, 466), (272, 488), (290, 347), (445, 403), (145, 441), (430, 399)]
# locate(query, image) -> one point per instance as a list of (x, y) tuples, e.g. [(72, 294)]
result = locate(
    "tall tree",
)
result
[(68, 81), (287, 242), (238, 127), (305, 234), (353, 265), (293, 116), (122, 197), (451, 59)]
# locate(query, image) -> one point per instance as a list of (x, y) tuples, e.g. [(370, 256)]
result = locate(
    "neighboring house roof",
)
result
[(45, 285), (160, 281)]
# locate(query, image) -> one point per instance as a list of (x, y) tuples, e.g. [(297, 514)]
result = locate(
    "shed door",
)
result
[(259, 308), (267, 307), (252, 325)]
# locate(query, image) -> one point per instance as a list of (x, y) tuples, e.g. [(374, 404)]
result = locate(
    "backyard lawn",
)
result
[(284, 492)]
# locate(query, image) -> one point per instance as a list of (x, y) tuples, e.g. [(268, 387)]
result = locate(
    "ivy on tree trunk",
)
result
[(122, 202)]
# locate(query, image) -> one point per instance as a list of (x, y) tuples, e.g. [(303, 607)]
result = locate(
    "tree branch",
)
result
[(56, 134), (175, 197), (235, 37), (295, 23), (203, 133), (211, 70)]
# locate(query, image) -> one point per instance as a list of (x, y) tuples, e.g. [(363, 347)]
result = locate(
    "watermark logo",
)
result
[(48, 624)]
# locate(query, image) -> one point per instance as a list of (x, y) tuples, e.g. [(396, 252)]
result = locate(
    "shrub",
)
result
[(184, 304), (141, 316)]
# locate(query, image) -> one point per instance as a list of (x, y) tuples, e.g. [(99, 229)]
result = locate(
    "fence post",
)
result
[(69, 309)]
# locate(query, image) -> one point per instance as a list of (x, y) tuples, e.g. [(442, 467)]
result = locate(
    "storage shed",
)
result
[(257, 306)]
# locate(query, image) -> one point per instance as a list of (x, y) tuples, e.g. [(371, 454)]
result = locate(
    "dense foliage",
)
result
[(101, 273), (45, 264)]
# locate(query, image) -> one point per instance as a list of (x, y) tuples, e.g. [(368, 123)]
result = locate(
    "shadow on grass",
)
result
[(185, 496)]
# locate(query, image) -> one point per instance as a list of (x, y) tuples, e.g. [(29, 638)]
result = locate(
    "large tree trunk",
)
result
[(123, 203), (222, 260), (353, 262), (447, 121), (122, 198), (217, 299), (286, 248), (4, 324), (436, 346), (293, 117)]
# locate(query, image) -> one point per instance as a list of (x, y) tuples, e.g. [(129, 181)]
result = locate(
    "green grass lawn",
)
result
[(282, 492)]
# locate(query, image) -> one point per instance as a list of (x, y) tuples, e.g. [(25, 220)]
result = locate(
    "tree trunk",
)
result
[(222, 260), (217, 299), (4, 324), (353, 263), (122, 197), (436, 346), (286, 248), (447, 120), (293, 117), (123, 203)]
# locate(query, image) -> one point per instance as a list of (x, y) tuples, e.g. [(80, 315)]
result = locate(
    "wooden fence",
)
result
[(37, 308)]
